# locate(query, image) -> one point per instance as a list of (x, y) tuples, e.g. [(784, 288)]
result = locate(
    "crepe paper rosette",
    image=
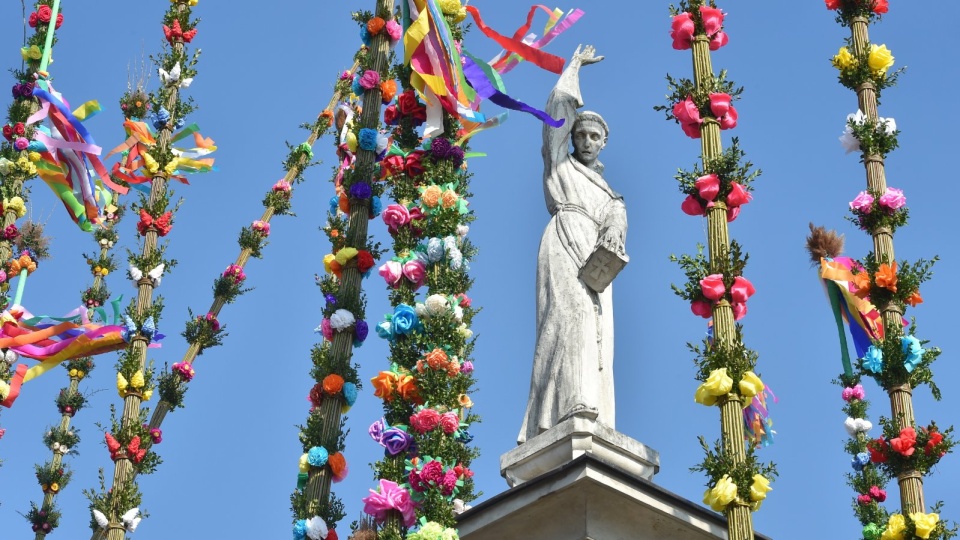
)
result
[(685, 24)]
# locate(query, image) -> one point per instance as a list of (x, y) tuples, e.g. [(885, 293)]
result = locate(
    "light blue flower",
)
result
[(434, 250), (350, 393), (365, 37), (300, 529), (385, 330), (355, 87), (376, 206), (860, 461), (913, 351), (873, 359), (368, 139), (317, 456), (334, 204), (405, 320)]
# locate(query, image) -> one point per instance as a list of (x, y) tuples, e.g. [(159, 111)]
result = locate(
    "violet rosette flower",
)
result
[(395, 441)]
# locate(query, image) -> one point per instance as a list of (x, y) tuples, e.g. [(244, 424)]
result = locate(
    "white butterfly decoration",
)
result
[(173, 77), (131, 519), (136, 274), (316, 528)]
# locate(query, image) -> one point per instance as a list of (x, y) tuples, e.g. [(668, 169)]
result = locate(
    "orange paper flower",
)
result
[(332, 384), (914, 299), (862, 281), (384, 384), (375, 25), (431, 196), (407, 388), (437, 359), (388, 89), (337, 463), (886, 276)]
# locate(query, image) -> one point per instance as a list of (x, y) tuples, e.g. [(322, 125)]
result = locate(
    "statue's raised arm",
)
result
[(563, 103)]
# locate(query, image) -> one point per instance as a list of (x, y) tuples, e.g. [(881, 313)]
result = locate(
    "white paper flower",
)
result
[(436, 304), (101, 519), (889, 124), (342, 319), (462, 231), (458, 313), (316, 528), (420, 309), (857, 425), (4, 390), (131, 519), (464, 331), (10, 356), (173, 78), (849, 142)]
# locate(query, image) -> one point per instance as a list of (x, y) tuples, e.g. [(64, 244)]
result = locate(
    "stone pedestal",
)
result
[(584, 481), (571, 439)]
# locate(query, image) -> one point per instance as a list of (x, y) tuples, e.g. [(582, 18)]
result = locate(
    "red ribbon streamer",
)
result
[(541, 59)]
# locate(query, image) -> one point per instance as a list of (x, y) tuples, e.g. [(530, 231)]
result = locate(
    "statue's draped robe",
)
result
[(573, 361)]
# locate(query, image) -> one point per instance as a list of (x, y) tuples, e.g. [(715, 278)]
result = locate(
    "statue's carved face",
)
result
[(588, 139)]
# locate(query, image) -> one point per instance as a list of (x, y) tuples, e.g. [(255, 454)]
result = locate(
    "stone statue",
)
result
[(582, 249)]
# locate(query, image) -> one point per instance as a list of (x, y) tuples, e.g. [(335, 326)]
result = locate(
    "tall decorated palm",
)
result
[(870, 297), (718, 189)]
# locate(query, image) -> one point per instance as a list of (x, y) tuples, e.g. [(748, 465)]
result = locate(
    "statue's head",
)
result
[(590, 133)]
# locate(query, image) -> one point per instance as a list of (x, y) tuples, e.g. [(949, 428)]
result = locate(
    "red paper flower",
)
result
[(161, 224), (935, 439), (878, 450), (832, 4), (906, 443), (881, 6), (364, 261), (176, 33)]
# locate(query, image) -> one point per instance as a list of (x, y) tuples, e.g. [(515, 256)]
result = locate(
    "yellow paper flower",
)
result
[(750, 386), (327, 259), (304, 463), (73, 372), (17, 204), (33, 156), (760, 488), (844, 61), (122, 383), (880, 59), (172, 166), (150, 164), (31, 53), (26, 167), (54, 487), (449, 7), (895, 527), (719, 383), (704, 397), (147, 394), (137, 380), (723, 493), (80, 374), (352, 141), (189, 3), (4, 389), (346, 254), (924, 524)]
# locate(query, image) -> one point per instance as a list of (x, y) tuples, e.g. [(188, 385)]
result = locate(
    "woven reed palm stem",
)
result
[(123, 470), (901, 397), (57, 459), (318, 484), (739, 518)]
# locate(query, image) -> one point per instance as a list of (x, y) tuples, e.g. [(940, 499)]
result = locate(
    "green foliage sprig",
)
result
[(697, 267), (204, 331), (43, 519), (718, 464), (912, 448), (879, 217), (894, 372), (877, 137), (909, 277), (681, 89), (52, 478), (850, 9)]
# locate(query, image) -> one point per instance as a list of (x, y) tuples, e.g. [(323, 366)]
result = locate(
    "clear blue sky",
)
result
[(267, 69)]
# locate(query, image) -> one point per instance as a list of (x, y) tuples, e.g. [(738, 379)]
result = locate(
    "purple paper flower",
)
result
[(440, 148), (360, 190), (396, 441), (361, 329), (376, 430), (456, 155)]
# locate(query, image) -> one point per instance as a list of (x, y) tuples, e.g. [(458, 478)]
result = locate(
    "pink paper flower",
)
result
[(416, 272), (687, 113), (682, 30), (893, 199), (738, 196), (739, 310), (864, 500), (878, 494), (712, 287), (370, 79), (326, 329), (391, 271), (701, 308), (729, 120), (732, 213), (424, 420), (449, 422), (21, 143), (741, 289), (692, 207), (390, 496), (712, 19), (720, 104), (396, 216), (709, 186), (394, 30), (719, 40), (862, 203), (432, 473), (449, 483)]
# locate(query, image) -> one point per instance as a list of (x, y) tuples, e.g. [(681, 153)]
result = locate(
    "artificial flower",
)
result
[(692, 206), (317, 456), (713, 26), (704, 397), (878, 450), (338, 466), (859, 461), (708, 186), (880, 59), (688, 115), (849, 142), (896, 525), (914, 299), (843, 60), (873, 359), (741, 289), (424, 420), (905, 444), (391, 271), (892, 199), (912, 351), (924, 524), (390, 496), (738, 196), (750, 386), (682, 30), (886, 276), (862, 203), (718, 383), (724, 493), (851, 393), (878, 494), (342, 319), (712, 287), (333, 384), (759, 488), (857, 425)]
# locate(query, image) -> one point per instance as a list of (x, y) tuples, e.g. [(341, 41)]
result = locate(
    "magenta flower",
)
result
[(712, 287), (893, 199), (682, 29), (692, 207), (862, 203), (389, 496), (739, 310), (709, 187), (738, 196), (687, 113), (416, 272), (370, 79), (391, 271), (701, 308)]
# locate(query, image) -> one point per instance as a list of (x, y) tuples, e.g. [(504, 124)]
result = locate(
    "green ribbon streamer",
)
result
[(48, 46), (833, 292)]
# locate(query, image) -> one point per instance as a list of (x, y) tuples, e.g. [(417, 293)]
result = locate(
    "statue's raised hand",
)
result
[(586, 56)]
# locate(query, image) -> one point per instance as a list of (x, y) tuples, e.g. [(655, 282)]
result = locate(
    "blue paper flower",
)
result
[(464, 436), (873, 359), (405, 320), (368, 139), (913, 351), (350, 393), (434, 250), (160, 118), (361, 329), (360, 190), (365, 36), (385, 330), (355, 87), (859, 461), (300, 529), (317, 456), (334, 204), (330, 298), (375, 207)]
